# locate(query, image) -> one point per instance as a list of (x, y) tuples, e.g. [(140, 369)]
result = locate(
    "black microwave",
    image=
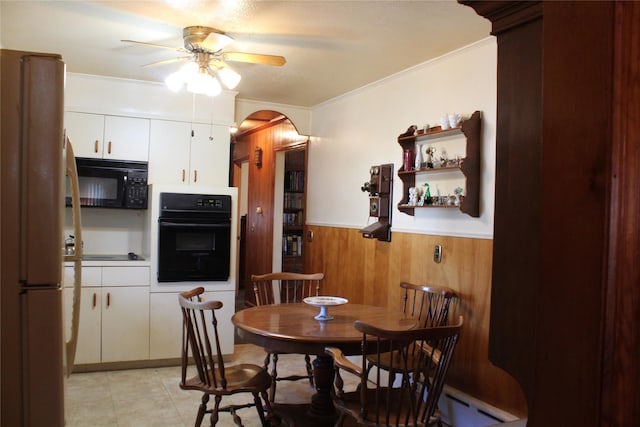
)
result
[(111, 183)]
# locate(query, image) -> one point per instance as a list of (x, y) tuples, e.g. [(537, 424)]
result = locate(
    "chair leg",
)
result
[(235, 417), (274, 376), (202, 409), (267, 359), (272, 417), (307, 361), (264, 421), (214, 412)]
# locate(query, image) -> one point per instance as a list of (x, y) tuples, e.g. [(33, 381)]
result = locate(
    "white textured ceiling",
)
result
[(331, 47)]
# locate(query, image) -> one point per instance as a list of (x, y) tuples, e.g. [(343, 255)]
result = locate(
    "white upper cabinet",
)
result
[(108, 137), (185, 153), (169, 152), (126, 138), (210, 147)]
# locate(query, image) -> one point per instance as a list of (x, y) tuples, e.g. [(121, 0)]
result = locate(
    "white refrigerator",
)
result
[(31, 251)]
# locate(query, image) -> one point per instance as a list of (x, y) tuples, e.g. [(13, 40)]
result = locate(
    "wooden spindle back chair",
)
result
[(407, 399), (212, 376), (430, 305)]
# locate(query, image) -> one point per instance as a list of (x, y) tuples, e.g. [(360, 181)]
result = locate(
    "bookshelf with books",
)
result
[(293, 211)]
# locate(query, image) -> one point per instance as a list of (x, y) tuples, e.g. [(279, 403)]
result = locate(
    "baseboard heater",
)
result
[(461, 410)]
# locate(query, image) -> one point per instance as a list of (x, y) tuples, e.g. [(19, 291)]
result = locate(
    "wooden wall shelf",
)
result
[(469, 166)]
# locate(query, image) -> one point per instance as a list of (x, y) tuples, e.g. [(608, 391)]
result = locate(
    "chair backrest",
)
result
[(284, 287), (430, 304), (199, 324), (410, 398)]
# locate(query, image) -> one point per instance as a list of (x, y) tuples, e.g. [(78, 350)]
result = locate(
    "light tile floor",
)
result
[(152, 397)]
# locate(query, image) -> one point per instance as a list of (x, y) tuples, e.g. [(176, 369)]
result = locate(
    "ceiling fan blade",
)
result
[(179, 49), (168, 61), (254, 58)]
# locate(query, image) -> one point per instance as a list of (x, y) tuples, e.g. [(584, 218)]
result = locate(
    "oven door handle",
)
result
[(226, 224)]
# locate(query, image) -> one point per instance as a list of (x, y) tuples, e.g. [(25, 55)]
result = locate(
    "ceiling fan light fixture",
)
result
[(204, 83), (174, 81), (229, 77)]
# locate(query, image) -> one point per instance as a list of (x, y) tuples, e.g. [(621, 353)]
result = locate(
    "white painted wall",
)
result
[(278, 200), (352, 132)]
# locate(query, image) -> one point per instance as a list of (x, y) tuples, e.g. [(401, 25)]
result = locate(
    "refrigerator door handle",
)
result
[(72, 173)]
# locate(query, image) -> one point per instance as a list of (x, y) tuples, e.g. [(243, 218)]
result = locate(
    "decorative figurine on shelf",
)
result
[(431, 151), (458, 195), (418, 158), (427, 194), (414, 193), (444, 158)]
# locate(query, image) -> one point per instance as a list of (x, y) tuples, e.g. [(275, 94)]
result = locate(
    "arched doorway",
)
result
[(269, 166)]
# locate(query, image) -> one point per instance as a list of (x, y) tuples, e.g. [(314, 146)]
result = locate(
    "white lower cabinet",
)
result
[(125, 323), (114, 314), (89, 331), (165, 333)]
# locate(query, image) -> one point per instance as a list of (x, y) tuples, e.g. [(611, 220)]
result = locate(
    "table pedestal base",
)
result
[(321, 412)]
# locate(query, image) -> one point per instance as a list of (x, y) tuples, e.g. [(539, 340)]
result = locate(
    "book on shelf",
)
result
[(294, 180)]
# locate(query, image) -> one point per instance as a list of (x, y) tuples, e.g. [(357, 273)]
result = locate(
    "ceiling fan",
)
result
[(206, 61)]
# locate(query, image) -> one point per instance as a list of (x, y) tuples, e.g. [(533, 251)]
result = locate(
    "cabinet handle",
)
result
[(183, 175), (95, 300), (109, 148), (108, 299), (195, 175), (95, 146)]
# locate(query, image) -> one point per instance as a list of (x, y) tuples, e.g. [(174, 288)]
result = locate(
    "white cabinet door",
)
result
[(165, 333), (126, 138), (114, 313), (169, 152), (86, 132), (109, 137), (210, 146), (88, 349), (125, 323), (165, 326)]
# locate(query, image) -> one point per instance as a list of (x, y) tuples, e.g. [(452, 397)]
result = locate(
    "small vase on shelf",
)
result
[(418, 158), (407, 160)]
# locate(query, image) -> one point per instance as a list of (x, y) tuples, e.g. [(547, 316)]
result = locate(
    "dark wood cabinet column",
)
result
[(565, 291)]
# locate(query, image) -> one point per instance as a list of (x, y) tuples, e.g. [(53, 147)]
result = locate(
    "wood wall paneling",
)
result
[(577, 84), (517, 213), (278, 135), (621, 371)]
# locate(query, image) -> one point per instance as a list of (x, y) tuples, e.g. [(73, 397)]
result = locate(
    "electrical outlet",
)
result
[(437, 253)]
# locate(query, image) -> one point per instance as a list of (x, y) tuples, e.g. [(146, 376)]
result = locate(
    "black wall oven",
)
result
[(194, 241)]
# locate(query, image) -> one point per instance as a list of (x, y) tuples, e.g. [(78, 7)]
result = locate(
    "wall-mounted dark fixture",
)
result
[(257, 157), (380, 189)]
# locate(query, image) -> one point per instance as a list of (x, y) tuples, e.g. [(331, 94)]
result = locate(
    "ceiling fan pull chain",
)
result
[(193, 109)]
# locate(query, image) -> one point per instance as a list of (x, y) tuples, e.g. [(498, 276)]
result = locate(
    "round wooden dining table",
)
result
[(291, 328)]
